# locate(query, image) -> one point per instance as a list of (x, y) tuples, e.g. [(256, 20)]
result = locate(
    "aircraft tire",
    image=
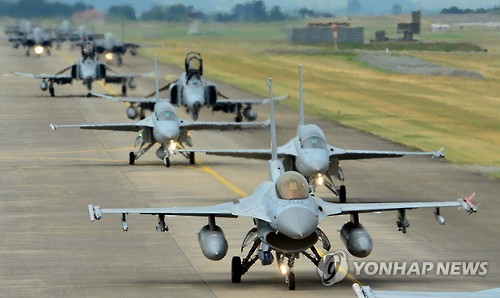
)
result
[(51, 91), (131, 158), (342, 194), (191, 158), (291, 281), (236, 270), (167, 162)]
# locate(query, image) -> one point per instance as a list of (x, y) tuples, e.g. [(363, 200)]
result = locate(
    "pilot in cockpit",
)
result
[(292, 186), (193, 65), (88, 50)]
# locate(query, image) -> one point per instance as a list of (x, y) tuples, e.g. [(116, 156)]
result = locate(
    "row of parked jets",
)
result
[(285, 208)]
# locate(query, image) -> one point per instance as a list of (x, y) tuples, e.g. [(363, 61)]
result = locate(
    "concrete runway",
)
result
[(49, 247)]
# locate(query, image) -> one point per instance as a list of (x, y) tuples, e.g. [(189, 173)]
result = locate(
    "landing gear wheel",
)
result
[(290, 279), (238, 118), (120, 61), (89, 95), (191, 158), (236, 270), (131, 158), (166, 160), (124, 90), (51, 91), (342, 194)]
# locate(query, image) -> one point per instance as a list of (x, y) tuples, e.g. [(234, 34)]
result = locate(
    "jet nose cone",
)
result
[(166, 134), (297, 222), (316, 166)]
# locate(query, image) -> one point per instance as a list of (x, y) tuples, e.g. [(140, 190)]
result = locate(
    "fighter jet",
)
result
[(191, 91), (163, 127), (114, 50), (38, 40), (286, 217), (88, 69), (309, 154)]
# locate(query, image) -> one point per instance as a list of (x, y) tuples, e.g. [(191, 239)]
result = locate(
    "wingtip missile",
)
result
[(467, 205), (439, 153), (94, 212)]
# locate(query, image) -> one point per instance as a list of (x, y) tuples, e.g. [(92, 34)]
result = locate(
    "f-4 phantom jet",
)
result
[(193, 92), (114, 50), (88, 70), (286, 217), (309, 154), (163, 127)]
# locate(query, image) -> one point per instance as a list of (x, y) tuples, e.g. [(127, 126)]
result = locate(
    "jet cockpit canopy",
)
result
[(292, 186), (193, 64), (312, 137)]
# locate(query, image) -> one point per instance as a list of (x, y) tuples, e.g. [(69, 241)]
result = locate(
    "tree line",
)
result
[(456, 10), (251, 11), (40, 8)]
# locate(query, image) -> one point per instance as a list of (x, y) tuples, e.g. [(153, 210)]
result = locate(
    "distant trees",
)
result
[(40, 8), (254, 11), (456, 10), (172, 13), (121, 12), (305, 12)]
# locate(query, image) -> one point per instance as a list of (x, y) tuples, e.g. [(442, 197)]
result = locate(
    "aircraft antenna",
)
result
[(301, 98), (157, 89), (274, 150)]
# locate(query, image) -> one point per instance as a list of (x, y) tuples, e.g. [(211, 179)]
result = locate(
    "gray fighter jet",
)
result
[(88, 69), (309, 154), (193, 92), (114, 50), (286, 217), (163, 127)]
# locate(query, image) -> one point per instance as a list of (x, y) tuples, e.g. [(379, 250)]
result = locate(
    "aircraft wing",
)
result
[(244, 207), (127, 99), (117, 77), (201, 125), (115, 127), (346, 154), (44, 76), (265, 154), (248, 101), (331, 209)]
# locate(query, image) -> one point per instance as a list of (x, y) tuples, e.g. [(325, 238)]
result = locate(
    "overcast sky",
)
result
[(334, 6)]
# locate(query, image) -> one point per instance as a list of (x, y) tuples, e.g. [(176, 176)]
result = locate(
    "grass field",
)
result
[(426, 112)]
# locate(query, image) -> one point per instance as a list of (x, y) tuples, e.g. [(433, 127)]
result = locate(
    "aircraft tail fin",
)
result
[(157, 89), (275, 166), (301, 98)]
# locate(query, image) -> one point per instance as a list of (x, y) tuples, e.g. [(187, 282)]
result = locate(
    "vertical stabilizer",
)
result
[(275, 166), (301, 98), (274, 150), (157, 89)]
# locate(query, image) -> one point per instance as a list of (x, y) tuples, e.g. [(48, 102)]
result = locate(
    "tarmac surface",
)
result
[(49, 247)]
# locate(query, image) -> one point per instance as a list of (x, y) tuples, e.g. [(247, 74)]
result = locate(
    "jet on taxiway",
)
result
[(163, 127), (88, 70), (286, 217), (309, 154)]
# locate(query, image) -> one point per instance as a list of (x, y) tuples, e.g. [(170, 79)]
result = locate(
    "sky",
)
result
[(333, 6)]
